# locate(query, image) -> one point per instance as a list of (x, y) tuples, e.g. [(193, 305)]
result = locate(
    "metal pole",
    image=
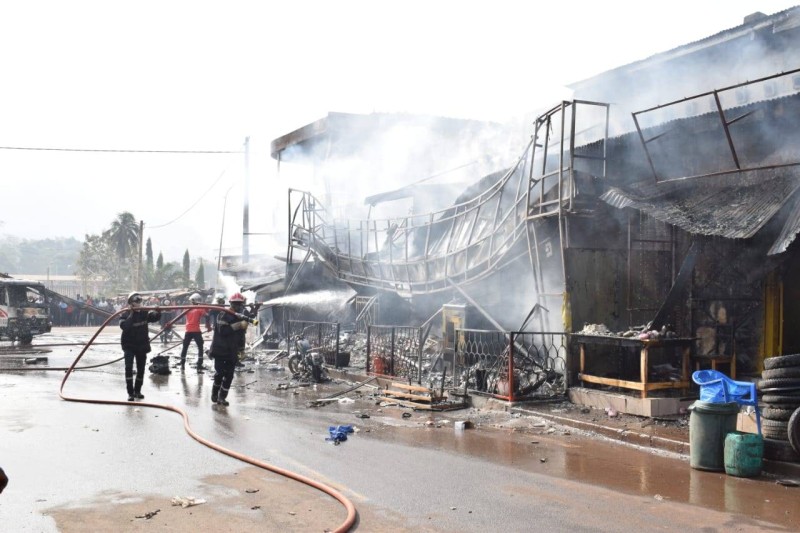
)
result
[(511, 367), (419, 367), (139, 269), (221, 232), (246, 207)]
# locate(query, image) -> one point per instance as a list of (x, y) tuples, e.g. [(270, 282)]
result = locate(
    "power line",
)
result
[(41, 149), (194, 204)]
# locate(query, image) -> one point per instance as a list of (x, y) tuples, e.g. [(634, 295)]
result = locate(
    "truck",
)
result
[(24, 310)]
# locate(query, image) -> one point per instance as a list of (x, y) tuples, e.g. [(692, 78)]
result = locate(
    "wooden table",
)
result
[(588, 342)]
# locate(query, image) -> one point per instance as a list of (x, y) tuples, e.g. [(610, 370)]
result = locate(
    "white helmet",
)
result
[(195, 298)]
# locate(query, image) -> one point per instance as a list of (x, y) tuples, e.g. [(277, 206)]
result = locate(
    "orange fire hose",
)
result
[(348, 505)]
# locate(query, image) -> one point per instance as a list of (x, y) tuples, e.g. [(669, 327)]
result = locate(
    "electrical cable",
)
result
[(341, 498), (126, 151), (194, 204)]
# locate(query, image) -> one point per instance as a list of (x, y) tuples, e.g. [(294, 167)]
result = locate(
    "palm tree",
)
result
[(123, 235)]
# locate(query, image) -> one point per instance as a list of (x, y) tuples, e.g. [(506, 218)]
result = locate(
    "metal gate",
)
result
[(395, 351), (537, 368), (323, 336)]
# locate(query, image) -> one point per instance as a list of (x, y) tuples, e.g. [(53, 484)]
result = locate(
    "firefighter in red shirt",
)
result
[(193, 318)]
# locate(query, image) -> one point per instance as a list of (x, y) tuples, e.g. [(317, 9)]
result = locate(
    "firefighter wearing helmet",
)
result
[(135, 341), (193, 332), (229, 338)]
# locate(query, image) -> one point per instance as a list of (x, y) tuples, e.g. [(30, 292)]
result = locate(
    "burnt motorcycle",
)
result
[(305, 364)]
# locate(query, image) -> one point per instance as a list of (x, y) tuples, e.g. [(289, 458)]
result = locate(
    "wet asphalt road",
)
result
[(518, 477)]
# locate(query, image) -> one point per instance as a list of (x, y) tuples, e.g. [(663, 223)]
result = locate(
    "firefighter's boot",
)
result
[(214, 393), (222, 395), (137, 389)]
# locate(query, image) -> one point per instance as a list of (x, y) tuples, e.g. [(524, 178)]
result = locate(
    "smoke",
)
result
[(725, 59), (229, 285), (372, 154)]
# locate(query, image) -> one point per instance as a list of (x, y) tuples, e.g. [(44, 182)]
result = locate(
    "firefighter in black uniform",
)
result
[(228, 341), (135, 342)]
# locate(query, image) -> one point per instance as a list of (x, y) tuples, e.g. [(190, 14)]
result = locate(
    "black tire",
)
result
[(774, 429), (778, 383), (779, 398), (769, 423), (780, 450), (783, 372), (776, 413), (294, 364), (25, 339), (775, 433), (781, 361), (793, 430)]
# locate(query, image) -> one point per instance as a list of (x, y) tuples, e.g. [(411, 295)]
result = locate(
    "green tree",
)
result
[(200, 276), (148, 254), (160, 261), (187, 273), (97, 261), (167, 276), (37, 256), (124, 236)]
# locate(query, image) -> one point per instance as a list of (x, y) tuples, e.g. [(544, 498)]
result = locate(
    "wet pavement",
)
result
[(72, 464)]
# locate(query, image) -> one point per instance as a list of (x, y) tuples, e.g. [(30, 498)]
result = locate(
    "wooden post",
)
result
[(643, 370)]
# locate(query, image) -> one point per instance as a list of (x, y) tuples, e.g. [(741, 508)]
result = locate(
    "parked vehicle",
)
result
[(306, 364), (24, 311)]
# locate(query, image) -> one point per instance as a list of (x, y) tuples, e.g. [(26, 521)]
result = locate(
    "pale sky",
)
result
[(196, 75)]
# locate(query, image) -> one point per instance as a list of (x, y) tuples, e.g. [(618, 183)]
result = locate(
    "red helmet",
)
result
[(237, 298)]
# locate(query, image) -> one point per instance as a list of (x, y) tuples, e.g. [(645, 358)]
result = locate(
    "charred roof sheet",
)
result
[(735, 205)]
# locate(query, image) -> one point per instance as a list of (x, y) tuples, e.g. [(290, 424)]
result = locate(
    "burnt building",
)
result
[(650, 222)]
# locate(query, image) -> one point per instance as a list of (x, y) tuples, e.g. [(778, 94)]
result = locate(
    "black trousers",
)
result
[(141, 359), (197, 337), (223, 377)]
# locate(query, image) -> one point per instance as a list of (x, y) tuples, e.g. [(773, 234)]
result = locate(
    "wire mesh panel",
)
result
[(323, 336), (537, 368), (367, 309), (395, 351)]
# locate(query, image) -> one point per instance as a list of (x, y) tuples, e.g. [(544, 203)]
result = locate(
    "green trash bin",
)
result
[(743, 454), (709, 424)]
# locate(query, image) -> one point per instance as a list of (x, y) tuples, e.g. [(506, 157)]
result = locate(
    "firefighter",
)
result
[(135, 342), (193, 317), (3, 480), (228, 340)]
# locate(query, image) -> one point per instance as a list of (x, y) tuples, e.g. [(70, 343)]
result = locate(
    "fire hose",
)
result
[(348, 505)]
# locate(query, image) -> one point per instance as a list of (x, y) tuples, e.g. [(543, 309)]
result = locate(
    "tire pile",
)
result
[(779, 389)]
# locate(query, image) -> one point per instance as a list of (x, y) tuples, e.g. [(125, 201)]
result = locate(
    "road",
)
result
[(79, 466)]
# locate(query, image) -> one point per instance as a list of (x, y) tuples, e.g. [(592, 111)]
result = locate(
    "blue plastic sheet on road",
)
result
[(339, 433)]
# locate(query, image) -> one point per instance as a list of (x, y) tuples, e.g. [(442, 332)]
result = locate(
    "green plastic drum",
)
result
[(709, 424), (743, 454)]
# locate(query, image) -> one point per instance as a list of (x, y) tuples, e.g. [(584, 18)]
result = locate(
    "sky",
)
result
[(199, 76)]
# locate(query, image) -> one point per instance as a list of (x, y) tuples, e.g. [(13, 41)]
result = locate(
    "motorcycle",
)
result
[(306, 364)]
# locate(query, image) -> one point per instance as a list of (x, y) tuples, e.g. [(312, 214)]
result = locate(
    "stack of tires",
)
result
[(779, 389)]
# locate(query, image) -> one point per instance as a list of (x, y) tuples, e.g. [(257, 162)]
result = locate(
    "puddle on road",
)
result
[(564, 454)]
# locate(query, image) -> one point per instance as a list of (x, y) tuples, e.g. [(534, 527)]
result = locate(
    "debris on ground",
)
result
[(187, 501), (148, 516), (339, 433)]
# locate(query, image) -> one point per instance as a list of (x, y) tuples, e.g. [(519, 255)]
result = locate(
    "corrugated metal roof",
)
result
[(790, 229), (735, 206)]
